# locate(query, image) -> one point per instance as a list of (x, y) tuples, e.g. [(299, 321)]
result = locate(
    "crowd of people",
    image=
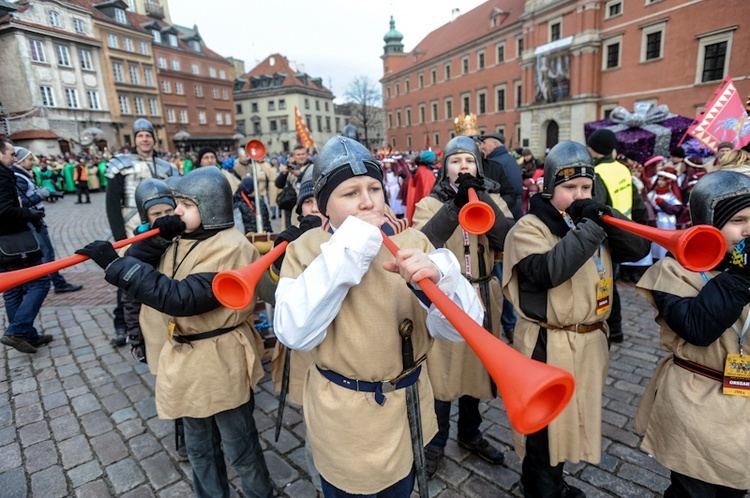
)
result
[(375, 364)]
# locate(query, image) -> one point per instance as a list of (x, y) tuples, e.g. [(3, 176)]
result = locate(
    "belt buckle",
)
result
[(577, 324), (386, 386)]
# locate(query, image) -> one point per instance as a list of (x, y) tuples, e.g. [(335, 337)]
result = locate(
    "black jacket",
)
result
[(539, 272), (281, 179), (13, 217), (500, 166), (248, 216)]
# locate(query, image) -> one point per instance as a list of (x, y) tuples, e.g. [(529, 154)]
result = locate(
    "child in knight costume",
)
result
[(206, 357), (125, 172), (558, 274), (455, 370), (342, 296), (694, 411)]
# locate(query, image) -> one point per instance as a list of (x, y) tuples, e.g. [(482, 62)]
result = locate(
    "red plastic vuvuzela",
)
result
[(476, 217), (235, 288), (698, 248), (15, 278), (534, 393)]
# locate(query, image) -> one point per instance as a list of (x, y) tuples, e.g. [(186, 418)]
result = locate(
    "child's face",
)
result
[(460, 163), (572, 190), (737, 229), (157, 211), (661, 182), (188, 212), (310, 206), (360, 196)]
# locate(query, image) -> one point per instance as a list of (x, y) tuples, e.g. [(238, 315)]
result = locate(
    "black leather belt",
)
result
[(187, 339)]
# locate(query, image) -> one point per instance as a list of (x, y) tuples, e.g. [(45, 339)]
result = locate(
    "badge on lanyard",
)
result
[(737, 375), (603, 293), (170, 329)]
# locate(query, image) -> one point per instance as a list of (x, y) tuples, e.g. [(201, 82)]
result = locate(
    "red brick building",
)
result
[(537, 70)]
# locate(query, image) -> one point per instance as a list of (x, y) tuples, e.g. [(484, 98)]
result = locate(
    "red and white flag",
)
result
[(724, 120)]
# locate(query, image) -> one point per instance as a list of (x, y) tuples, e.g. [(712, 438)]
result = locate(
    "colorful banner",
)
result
[(724, 120), (303, 134)]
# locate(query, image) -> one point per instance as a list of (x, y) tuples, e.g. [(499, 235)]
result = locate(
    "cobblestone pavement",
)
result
[(78, 417)]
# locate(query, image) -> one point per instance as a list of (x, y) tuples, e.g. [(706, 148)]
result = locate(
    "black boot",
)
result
[(120, 338)]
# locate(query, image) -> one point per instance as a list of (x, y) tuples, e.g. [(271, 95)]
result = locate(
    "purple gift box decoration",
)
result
[(648, 131)]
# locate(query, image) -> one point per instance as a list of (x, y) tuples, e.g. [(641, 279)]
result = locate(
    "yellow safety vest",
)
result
[(619, 183)]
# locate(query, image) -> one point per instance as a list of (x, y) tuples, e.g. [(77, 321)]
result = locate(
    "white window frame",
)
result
[(447, 72), (422, 113), (650, 29), (48, 96), (196, 69), (157, 35), (93, 99), (552, 22), (465, 65), (448, 103), (79, 26), (175, 64), (172, 38), (144, 48), (54, 19), (163, 63), (87, 62), (519, 49), (214, 93), (465, 97), (498, 47), (63, 55), (195, 45), (407, 115), (480, 94), (434, 110), (219, 118), (129, 46), (134, 76), (604, 108), (202, 117), (516, 84), (112, 41), (119, 75), (178, 88), (212, 72), (224, 94), (166, 86), (120, 16), (198, 90), (148, 76), (481, 59), (171, 117), (504, 88), (611, 3), (183, 116), (36, 49), (124, 102), (605, 50), (725, 35), (71, 98), (153, 106), (222, 74), (140, 109), (228, 118)]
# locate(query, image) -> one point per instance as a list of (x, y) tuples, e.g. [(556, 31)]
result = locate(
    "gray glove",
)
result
[(43, 192)]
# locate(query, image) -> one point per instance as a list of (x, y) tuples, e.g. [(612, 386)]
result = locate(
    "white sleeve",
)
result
[(459, 290), (306, 305)]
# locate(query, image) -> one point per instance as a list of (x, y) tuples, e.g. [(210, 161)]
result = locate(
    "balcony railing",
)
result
[(155, 10)]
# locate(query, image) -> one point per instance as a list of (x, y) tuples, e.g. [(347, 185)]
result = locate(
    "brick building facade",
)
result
[(538, 69)]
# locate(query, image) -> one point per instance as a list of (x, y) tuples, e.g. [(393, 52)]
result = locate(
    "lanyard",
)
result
[(597, 256), (175, 265), (467, 252), (740, 333)]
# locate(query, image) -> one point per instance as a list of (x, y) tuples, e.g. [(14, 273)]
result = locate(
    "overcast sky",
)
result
[(337, 40)]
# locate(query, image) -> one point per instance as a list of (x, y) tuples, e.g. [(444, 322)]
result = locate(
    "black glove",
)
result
[(588, 208), (465, 181), (36, 219), (289, 235), (309, 222), (138, 348), (169, 226), (101, 251), (739, 262)]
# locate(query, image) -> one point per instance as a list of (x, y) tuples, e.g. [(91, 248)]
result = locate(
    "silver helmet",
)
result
[(566, 160), (341, 158), (143, 124), (714, 188), (350, 131), (458, 145), (209, 189), (149, 193)]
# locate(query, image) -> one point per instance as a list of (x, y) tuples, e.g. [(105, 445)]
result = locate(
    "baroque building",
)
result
[(537, 70)]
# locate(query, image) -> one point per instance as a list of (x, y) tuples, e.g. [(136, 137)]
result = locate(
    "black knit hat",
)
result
[(340, 176), (726, 208), (602, 141), (306, 191), (678, 152), (205, 150)]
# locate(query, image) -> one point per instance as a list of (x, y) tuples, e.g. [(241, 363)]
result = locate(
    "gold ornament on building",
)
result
[(467, 125)]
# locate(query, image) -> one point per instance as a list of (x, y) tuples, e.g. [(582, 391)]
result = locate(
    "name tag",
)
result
[(603, 293), (737, 375)]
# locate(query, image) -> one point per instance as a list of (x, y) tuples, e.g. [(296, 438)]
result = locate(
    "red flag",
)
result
[(303, 134), (724, 120)]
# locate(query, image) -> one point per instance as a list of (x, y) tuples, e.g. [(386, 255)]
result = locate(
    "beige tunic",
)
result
[(689, 425), (300, 362), (271, 173), (214, 374), (455, 370), (575, 434), (358, 445)]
